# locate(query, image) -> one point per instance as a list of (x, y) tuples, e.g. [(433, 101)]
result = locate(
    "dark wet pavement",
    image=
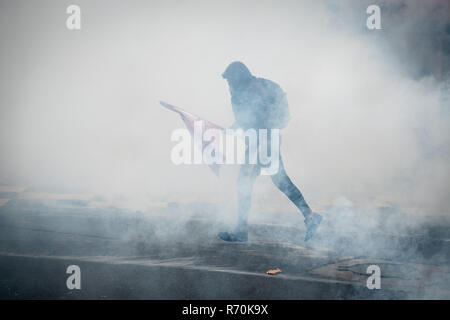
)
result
[(127, 254)]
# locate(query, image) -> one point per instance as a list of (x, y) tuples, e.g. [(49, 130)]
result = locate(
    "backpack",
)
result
[(277, 105)]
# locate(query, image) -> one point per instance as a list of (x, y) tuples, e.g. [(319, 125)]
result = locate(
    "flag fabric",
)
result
[(189, 119)]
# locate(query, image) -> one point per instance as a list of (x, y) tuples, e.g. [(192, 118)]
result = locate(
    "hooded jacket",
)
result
[(257, 102)]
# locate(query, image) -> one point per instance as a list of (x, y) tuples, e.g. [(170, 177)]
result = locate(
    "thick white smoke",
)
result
[(79, 109)]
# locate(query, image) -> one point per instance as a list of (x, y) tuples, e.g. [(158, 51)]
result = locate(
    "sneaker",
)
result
[(312, 223), (234, 236)]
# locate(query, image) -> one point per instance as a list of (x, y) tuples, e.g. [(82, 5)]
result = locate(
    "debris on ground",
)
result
[(273, 271)]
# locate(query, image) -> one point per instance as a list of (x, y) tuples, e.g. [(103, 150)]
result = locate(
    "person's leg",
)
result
[(284, 183), (246, 179)]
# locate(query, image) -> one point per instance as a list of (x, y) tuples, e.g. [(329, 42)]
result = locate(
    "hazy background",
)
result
[(370, 123)]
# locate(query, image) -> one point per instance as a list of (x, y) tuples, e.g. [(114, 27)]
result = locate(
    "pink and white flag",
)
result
[(190, 119)]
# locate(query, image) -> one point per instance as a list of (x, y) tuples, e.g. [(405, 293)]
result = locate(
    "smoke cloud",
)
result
[(79, 109)]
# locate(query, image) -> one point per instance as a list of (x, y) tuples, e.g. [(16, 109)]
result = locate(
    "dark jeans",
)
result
[(247, 176)]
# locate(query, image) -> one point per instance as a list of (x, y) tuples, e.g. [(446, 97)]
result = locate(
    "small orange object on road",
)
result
[(274, 271)]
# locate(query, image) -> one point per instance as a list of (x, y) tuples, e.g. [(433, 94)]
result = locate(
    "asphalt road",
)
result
[(150, 255)]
